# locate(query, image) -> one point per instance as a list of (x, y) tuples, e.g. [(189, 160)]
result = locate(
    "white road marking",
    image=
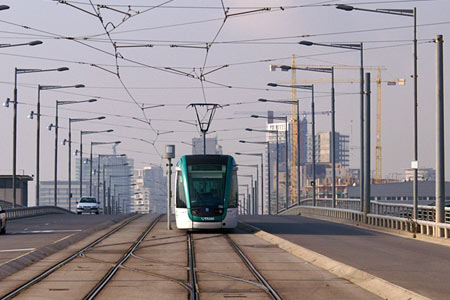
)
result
[(18, 250), (47, 231)]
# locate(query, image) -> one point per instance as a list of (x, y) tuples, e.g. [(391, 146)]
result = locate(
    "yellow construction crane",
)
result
[(295, 155)]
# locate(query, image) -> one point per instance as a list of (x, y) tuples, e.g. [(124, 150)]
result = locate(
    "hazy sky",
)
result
[(233, 54)]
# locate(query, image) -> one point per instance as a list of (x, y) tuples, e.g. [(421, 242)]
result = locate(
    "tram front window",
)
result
[(207, 185)]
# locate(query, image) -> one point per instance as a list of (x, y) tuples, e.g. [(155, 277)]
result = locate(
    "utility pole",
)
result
[(169, 153), (367, 149), (440, 146)]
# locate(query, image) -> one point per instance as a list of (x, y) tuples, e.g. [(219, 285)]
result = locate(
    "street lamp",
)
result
[(109, 187), (81, 153), (262, 158), (38, 127), (413, 14), (70, 152), (58, 103), (91, 159), (255, 209), (253, 193), (297, 104), (116, 203), (286, 152), (360, 48), (268, 169), (244, 206), (99, 157), (18, 71), (333, 119), (104, 183)]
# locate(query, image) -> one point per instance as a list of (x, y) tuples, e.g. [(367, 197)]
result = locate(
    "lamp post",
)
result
[(268, 169), (56, 125), (262, 168), (109, 194), (244, 206), (255, 209), (287, 147), (116, 203), (38, 127), (91, 159), (99, 157), (333, 120), (297, 104), (81, 152), (360, 48), (250, 211), (70, 152), (413, 14), (18, 71), (104, 185)]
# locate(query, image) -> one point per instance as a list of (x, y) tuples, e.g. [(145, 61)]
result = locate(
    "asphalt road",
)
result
[(415, 265), (26, 235)]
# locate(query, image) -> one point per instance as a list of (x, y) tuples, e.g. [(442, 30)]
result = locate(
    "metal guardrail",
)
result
[(24, 212), (386, 215)]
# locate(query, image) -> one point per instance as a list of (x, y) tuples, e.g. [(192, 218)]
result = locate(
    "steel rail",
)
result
[(192, 272), (253, 269), (55, 267), (112, 271)]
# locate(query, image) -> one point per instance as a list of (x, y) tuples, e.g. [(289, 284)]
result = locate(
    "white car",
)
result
[(3, 221), (88, 205)]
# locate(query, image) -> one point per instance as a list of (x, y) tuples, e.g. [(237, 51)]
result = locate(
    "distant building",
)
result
[(150, 191), (47, 193), (323, 149), (400, 191), (212, 146), (6, 190), (427, 174)]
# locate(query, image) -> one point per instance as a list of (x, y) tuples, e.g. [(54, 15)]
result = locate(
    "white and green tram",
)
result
[(206, 192)]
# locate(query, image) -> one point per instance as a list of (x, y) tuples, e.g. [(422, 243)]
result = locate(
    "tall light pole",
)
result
[(297, 102), (69, 175), (38, 127), (104, 185), (268, 170), (255, 206), (56, 125), (250, 211), (100, 156), (413, 14), (18, 71), (109, 187), (287, 149), (333, 120), (91, 159), (81, 152), (262, 168), (360, 48)]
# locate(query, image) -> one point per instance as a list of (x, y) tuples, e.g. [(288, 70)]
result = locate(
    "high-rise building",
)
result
[(212, 147), (47, 193), (150, 191), (323, 149), (111, 184)]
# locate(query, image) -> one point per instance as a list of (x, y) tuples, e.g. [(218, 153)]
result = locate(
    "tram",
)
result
[(206, 192)]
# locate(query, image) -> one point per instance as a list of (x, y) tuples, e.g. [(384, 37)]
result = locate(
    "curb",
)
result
[(26, 260), (369, 282)]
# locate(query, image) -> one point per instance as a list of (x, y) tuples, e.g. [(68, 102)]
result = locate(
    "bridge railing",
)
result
[(387, 215), (23, 212)]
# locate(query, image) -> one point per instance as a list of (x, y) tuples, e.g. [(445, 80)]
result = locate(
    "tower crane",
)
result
[(378, 81)]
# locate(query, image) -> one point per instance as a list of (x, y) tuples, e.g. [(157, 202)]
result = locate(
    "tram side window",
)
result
[(233, 191), (181, 196)]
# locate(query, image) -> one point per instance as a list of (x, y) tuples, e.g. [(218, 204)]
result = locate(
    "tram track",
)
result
[(65, 261), (113, 270), (194, 294), (269, 289)]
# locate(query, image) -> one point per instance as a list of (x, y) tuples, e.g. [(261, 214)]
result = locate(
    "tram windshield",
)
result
[(207, 185)]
